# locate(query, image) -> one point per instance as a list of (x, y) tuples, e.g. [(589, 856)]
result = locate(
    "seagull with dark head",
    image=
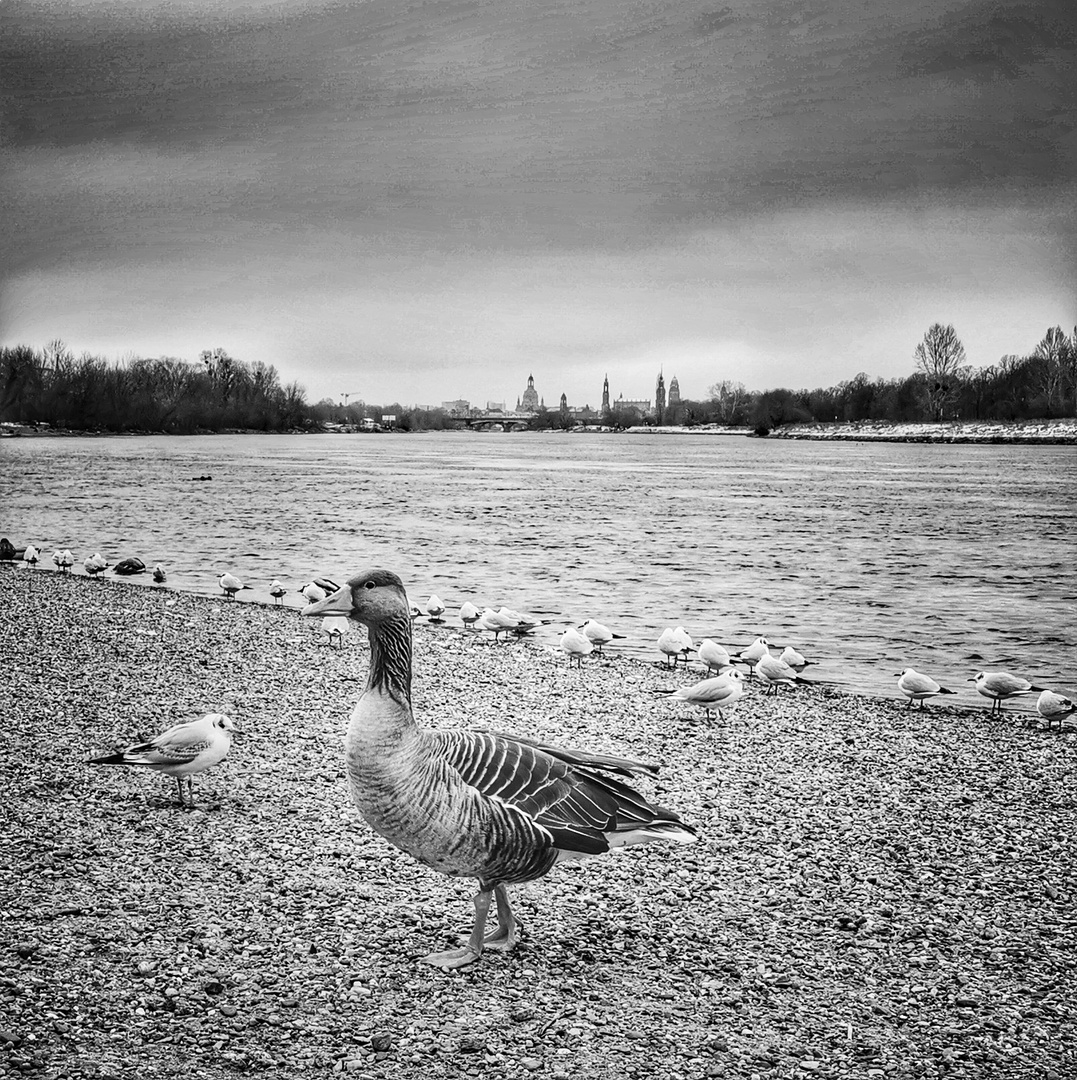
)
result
[(500, 808)]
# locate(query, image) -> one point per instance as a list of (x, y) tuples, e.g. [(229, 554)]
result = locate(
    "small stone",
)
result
[(472, 1044), (381, 1043), (213, 987), (531, 1064), (146, 967), (809, 1065), (228, 1010), (289, 1002), (26, 949), (9, 1036)]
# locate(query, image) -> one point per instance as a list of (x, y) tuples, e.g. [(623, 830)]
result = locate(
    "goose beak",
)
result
[(338, 603)]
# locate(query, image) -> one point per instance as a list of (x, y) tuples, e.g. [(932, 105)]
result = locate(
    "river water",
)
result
[(866, 557)]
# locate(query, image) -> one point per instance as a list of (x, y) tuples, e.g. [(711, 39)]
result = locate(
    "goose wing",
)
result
[(564, 791)]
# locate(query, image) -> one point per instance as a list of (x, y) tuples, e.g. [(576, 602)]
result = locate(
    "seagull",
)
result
[(714, 656), (231, 585), (576, 646), (159, 575), (95, 564), (917, 687), (64, 560), (711, 695), (328, 585), (495, 622), (277, 591), (1052, 706), (522, 624), (181, 751), (999, 686), (469, 614), (313, 592), (686, 643), (597, 634), (669, 645), (435, 608), (335, 627), (31, 555), (776, 672), (500, 808), (753, 654), (794, 659)]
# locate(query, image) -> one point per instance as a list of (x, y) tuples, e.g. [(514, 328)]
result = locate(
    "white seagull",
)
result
[(597, 634), (714, 656), (277, 591), (776, 672), (669, 646), (495, 622), (181, 751), (576, 646), (230, 584), (1052, 707), (313, 592), (64, 560), (1000, 686), (794, 659), (917, 687), (753, 654), (95, 564), (710, 695), (469, 614), (335, 627), (435, 608), (31, 555)]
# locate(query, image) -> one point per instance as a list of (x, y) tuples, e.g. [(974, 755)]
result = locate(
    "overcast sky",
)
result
[(417, 201)]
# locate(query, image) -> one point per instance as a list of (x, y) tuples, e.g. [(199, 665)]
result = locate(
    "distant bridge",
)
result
[(498, 422)]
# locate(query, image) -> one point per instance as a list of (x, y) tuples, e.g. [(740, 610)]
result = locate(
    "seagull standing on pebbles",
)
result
[(576, 646), (711, 695), (753, 654), (335, 627), (1000, 686), (230, 585), (597, 634), (435, 608), (469, 614), (95, 564), (714, 656), (775, 672), (277, 591), (917, 687), (182, 751), (31, 555), (794, 659), (495, 622), (1052, 707)]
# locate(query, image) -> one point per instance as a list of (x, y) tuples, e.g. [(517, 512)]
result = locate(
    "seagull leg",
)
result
[(455, 958)]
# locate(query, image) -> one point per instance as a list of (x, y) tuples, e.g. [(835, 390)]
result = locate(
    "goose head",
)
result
[(373, 597)]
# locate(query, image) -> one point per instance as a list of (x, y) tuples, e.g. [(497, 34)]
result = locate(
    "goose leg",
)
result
[(504, 937), (455, 958)]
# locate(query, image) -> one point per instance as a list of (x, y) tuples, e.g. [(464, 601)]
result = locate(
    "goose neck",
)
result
[(390, 659)]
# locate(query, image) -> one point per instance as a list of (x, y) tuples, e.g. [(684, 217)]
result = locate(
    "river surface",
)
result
[(865, 557)]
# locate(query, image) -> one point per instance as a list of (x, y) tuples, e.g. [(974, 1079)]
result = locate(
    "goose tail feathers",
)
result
[(584, 759)]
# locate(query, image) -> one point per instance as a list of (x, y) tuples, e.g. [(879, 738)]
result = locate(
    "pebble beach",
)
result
[(876, 891)]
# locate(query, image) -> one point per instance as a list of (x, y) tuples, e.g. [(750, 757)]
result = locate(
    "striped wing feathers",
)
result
[(560, 790)]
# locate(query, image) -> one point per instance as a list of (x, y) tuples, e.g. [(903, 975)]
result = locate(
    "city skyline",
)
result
[(407, 200)]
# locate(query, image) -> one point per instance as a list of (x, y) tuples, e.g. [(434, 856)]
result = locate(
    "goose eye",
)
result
[(369, 585)]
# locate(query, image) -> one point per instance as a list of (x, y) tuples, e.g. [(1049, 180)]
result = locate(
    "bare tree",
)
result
[(731, 398), (940, 358)]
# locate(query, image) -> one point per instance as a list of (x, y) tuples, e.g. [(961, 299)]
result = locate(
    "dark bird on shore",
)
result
[(1000, 686), (182, 751), (479, 804), (127, 567), (8, 551), (230, 585), (159, 575), (917, 687)]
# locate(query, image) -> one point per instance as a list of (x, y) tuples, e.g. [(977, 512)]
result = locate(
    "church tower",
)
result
[(660, 399), (606, 395), (674, 392), (529, 402)]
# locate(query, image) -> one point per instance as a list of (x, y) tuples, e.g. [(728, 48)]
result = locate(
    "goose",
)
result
[(469, 614), (9, 552), (500, 808), (576, 646), (31, 555), (1052, 706), (435, 608), (126, 567), (753, 654), (776, 672), (95, 564), (597, 634), (277, 591), (1000, 686), (182, 751), (795, 660), (917, 687), (711, 694), (159, 575), (230, 584), (713, 655), (313, 592)]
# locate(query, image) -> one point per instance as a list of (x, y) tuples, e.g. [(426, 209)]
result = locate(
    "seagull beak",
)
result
[(338, 603)]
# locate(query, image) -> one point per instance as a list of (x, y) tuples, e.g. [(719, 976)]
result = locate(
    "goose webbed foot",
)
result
[(453, 958)]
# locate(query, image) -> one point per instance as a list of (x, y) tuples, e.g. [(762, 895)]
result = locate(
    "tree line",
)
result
[(53, 387)]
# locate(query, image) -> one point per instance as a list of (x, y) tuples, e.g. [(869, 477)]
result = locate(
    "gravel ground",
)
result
[(876, 892)]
